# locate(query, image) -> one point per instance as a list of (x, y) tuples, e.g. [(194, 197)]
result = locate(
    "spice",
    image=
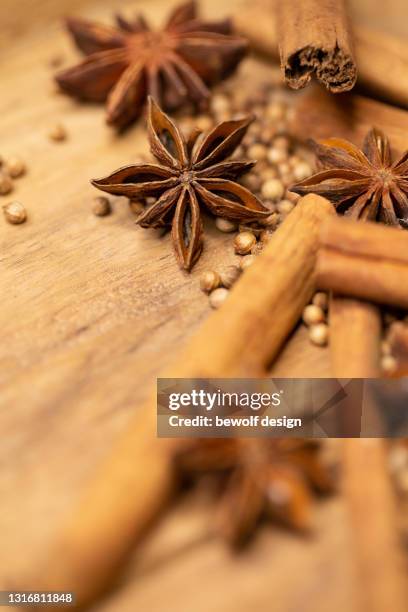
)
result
[(261, 479), (364, 260), (313, 314), (315, 40), (321, 300), (244, 242), (319, 334), (15, 167), (273, 189), (6, 184), (58, 133), (188, 178), (229, 276), (247, 261), (224, 225), (364, 183), (218, 297), (285, 207), (209, 281), (126, 63), (101, 206), (15, 213)]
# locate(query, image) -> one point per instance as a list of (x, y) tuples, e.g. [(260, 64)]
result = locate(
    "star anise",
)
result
[(193, 174), (125, 64), (362, 184), (261, 478)]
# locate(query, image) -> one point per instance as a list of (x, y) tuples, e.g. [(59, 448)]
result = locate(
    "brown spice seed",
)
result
[(209, 281), (312, 315), (321, 299), (101, 206), (225, 225), (247, 261), (244, 242), (319, 334), (57, 133), (15, 167), (218, 297), (6, 184), (15, 213), (273, 189)]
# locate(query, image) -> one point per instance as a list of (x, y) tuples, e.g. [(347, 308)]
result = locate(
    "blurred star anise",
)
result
[(189, 178), (127, 63), (261, 478), (362, 184)]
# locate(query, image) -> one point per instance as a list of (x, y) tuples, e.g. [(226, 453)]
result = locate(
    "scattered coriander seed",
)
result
[(321, 300), (247, 261), (6, 183), (136, 206), (277, 155), (225, 225), (15, 213), (386, 347), (101, 206), (319, 334), (252, 181), (271, 206), (257, 151), (243, 243), (57, 133), (285, 207), (268, 173), (273, 189), (15, 167), (218, 297), (388, 364), (229, 276), (220, 104), (312, 315), (281, 142), (291, 196), (276, 111), (301, 171), (272, 221), (209, 281)]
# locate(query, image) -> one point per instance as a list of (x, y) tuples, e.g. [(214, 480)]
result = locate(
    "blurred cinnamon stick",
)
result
[(317, 114), (364, 260), (382, 59), (137, 480), (315, 39)]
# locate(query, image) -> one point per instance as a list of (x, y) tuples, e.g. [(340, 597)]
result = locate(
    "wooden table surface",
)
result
[(91, 309)]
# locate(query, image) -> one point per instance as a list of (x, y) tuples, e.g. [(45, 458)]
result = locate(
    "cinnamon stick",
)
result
[(137, 480), (381, 574), (317, 114), (364, 260), (315, 39), (382, 59)]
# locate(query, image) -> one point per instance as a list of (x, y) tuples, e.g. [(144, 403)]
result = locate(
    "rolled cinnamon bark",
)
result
[(382, 59), (364, 260), (315, 39), (136, 481)]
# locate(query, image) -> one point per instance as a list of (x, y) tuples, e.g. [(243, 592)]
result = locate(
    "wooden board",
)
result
[(91, 309)]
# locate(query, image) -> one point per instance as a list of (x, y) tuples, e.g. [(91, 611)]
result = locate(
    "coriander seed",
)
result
[(273, 189), (301, 171), (276, 155), (15, 213), (218, 297), (229, 276), (319, 334), (388, 364), (285, 207), (225, 225), (312, 315), (244, 242), (6, 183), (257, 151), (272, 221), (321, 300), (101, 206), (209, 281), (57, 133), (15, 167)]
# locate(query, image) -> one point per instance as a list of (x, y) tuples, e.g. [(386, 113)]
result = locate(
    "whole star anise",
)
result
[(192, 175), (362, 184), (260, 478), (127, 63)]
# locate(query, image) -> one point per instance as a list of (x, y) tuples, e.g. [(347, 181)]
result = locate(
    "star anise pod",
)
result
[(192, 175), (125, 64), (362, 184), (262, 478)]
